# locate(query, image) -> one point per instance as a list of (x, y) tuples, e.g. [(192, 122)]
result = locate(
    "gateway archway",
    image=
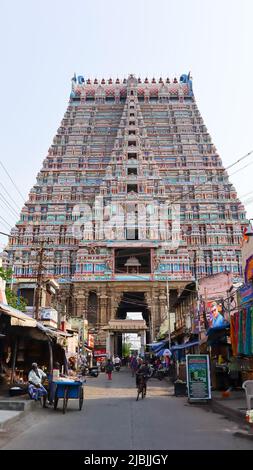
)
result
[(133, 306), (116, 328)]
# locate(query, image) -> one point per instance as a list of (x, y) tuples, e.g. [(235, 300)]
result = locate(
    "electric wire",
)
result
[(240, 169), (10, 208), (213, 176), (5, 221), (13, 182), (10, 196)]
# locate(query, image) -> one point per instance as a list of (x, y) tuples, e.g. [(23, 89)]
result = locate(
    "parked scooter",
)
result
[(161, 373), (151, 371), (90, 371)]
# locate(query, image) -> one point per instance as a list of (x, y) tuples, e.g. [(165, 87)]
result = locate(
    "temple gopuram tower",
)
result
[(133, 196)]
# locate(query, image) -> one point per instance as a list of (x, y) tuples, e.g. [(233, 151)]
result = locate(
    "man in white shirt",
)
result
[(35, 388), (117, 360)]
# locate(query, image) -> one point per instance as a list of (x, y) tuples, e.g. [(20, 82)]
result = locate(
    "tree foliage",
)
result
[(126, 349), (13, 300), (5, 274)]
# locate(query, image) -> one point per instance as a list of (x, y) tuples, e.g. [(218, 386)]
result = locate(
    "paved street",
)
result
[(112, 419)]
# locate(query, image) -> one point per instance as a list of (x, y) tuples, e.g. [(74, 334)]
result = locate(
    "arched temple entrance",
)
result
[(132, 308), (115, 328)]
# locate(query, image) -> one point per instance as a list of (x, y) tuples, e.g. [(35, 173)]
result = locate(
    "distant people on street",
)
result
[(117, 361), (109, 369), (35, 387), (133, 364)]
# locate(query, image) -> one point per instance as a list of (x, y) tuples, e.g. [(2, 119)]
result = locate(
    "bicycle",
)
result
[(142, 387)]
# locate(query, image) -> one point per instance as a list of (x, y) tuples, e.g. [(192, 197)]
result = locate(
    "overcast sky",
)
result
[(44, 42)]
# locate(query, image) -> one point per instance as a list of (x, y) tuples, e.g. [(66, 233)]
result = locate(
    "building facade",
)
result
[(132, 195)]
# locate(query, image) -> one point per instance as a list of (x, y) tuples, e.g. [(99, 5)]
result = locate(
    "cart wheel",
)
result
[(81, 398), (55, 403), (65, 400)]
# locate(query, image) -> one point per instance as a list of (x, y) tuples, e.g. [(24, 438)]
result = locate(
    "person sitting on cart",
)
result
[(35, 387)]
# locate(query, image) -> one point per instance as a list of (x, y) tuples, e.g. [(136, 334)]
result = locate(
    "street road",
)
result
[(112, 419)]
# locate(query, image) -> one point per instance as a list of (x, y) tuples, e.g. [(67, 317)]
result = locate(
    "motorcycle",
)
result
[(161, 373), (90, 371), (151, 371), (117, 367)]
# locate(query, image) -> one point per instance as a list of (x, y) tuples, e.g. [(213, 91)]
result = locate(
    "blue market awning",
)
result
[(163, 352), (157, 346), (184, 345)]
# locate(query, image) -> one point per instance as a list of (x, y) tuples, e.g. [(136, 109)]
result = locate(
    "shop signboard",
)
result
[(90, 341), (215, 286), (48, 314), (100, 352), (81, 326), (198, 377)]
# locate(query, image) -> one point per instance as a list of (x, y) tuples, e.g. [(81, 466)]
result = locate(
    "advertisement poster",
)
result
[(214, 315), (198, 377)]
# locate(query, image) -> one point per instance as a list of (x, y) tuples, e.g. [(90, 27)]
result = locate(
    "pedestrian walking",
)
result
[(109, 369), (133, 364)]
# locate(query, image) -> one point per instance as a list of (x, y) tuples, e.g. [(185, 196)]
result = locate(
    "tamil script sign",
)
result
[(198, 377)]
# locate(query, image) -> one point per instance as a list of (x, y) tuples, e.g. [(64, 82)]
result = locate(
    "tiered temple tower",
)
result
[(132, 194)]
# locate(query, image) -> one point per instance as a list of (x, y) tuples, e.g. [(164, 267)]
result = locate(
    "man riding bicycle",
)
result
[(142, 373)]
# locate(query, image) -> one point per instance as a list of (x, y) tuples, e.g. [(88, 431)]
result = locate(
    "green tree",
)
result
[(126, 349), (5, 274), (12, 299)]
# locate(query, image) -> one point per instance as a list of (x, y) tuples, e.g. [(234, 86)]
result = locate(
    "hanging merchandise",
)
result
[(244, 332)]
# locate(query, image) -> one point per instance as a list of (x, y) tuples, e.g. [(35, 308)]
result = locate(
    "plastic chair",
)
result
[(248, 387)]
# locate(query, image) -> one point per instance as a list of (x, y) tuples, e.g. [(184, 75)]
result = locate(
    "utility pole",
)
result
[(168, 310), (37, 300), (39, 282), (198, 313)]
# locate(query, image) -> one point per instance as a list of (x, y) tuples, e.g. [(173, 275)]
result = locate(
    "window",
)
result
[(132, 187), (132, 171)]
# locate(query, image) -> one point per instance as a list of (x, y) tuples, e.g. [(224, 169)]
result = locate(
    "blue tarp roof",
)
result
[(184, 346), (161, 352), (157, 346)]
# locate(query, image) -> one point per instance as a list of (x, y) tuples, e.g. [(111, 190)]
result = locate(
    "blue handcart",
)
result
[(67, 390)]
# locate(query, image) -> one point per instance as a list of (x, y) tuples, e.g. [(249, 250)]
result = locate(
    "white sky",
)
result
[(44, 42)]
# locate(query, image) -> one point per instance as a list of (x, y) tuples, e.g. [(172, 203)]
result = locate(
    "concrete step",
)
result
[(8, 417), (13, 404)]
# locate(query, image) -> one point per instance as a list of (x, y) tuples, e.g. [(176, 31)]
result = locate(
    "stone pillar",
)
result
[(115, 301), (80, 306), (143, 341), (110, 344), (163, 306), (102, 313)]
